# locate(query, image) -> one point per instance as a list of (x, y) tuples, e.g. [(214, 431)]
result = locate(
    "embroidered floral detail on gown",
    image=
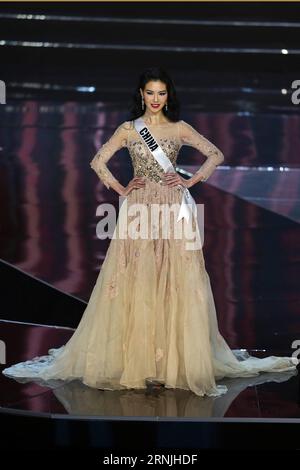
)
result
[(151, 314)]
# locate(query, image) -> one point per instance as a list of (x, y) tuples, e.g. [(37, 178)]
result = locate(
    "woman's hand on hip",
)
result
[(136, 183), (174, 179)]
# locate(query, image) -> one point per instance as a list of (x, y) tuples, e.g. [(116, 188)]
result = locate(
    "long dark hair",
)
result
[(155, 73)]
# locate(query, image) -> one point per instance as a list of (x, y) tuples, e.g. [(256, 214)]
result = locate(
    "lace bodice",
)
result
[(170, 136)]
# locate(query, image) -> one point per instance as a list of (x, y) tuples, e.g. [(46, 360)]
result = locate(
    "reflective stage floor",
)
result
[(267, 396)]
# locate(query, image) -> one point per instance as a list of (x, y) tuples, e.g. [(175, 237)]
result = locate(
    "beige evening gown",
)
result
[(151, 314)]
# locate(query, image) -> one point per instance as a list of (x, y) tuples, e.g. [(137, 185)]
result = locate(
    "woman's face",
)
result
[(155, 95)]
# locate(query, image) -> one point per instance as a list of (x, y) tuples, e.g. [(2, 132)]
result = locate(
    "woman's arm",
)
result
[(189, 136), (103, 155)]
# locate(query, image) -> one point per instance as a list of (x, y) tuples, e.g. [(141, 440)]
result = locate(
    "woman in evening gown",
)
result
[(151, 315)]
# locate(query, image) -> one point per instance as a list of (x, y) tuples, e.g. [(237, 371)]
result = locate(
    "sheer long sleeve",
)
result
[(189, 136), (106, 151)]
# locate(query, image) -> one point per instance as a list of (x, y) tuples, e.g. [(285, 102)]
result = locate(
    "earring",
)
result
[(166, 106), (143, 104)]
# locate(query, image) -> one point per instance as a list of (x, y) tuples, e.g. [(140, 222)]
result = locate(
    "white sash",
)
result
[(188, 204)]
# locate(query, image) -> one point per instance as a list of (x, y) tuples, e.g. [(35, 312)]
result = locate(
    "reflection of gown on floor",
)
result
[(151, 313), (78, 399)]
